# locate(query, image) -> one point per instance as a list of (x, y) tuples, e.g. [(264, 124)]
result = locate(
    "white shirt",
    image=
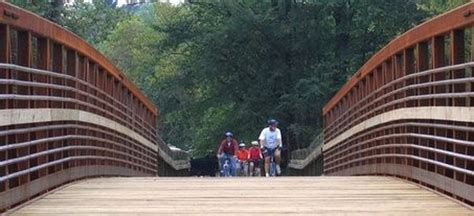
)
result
[(270, 137)]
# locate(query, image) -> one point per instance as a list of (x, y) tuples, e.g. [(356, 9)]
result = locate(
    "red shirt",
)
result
[(243, 154), (255, 153), (228, 148)]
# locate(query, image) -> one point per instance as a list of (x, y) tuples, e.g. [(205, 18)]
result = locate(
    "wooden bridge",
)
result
[(399, 135), (359, 195)]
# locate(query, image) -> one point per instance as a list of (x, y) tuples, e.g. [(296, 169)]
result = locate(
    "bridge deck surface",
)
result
[(255, 196)]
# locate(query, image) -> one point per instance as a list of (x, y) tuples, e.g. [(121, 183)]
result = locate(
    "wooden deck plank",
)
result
[(231, 196)]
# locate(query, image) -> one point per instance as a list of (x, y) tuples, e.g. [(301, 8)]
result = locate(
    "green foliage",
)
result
[(92, 21), (95, 21), (51, 10), (439, 6), (213, 66), (233, 64), (134, 53)]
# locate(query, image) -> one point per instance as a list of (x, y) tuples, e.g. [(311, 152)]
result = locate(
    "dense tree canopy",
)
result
[(212, 66)]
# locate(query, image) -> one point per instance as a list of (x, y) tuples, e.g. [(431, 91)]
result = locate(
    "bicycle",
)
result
[(254, 168), (273, 169), (242, 168), (226, 168)]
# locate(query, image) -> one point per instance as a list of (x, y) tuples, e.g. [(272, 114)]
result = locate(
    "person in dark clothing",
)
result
[(226, 151)]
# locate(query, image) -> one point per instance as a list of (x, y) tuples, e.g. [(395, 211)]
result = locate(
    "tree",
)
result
[(93, 21), (233, 64), (435, 7), (213, 66), (48, 9)]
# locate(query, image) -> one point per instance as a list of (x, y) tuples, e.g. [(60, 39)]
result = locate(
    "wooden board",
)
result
[(243, 196)]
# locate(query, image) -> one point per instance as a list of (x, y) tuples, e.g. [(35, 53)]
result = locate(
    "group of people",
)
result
[(247, 161)]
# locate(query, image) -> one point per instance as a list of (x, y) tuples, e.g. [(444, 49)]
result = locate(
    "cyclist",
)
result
[(242, 157), (226, 151), (271, 143), (255, 155)]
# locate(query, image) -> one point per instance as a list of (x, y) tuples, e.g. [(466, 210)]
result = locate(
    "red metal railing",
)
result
[(67, 113), (409, 111)]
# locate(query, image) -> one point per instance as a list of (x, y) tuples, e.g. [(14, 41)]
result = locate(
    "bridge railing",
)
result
[(172, 162), (307, 161), (67, 113), (409, 111)]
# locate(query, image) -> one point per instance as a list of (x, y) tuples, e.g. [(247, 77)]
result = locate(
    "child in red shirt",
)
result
[(242, 157), (255, 155)]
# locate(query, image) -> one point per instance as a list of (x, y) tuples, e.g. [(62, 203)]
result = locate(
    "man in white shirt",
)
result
[(270, 142)]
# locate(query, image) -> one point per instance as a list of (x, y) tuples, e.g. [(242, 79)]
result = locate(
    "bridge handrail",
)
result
[(379, 129), (138, 120), (178, 159), (409, 111), (67, 113), (457, 18), (348, 114), (27, 21), (300, 158)]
